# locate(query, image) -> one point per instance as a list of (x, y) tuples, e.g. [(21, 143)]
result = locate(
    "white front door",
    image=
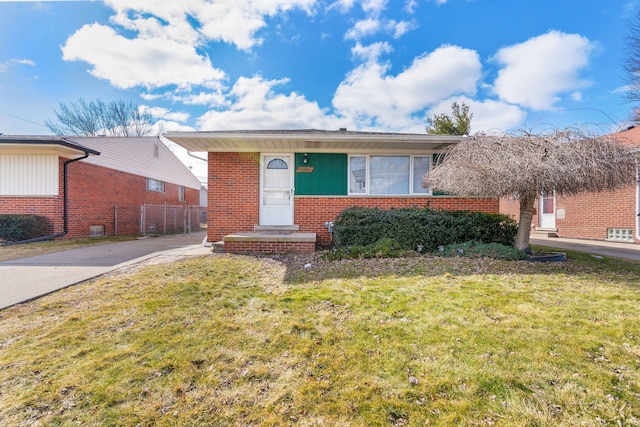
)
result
[(548, 210), (276, 198)]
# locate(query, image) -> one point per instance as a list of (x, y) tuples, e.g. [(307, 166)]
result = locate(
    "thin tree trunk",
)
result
[(524, 224)]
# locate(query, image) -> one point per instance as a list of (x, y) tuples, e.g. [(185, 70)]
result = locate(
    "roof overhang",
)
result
[(310, 140), (43, 145)]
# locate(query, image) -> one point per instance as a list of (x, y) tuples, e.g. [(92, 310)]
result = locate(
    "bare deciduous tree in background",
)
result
[(631, 63), (524, 165), (116, 118)]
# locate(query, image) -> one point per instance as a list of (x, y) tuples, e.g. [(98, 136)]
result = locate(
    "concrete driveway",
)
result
[(24, 279), (597, 247)]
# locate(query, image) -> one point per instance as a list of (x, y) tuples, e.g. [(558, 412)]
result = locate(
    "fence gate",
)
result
[(165, 219)]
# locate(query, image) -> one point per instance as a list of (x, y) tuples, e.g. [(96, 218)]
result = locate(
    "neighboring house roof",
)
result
[(145, 156), (44, 145), (310, 140), (629, 136)]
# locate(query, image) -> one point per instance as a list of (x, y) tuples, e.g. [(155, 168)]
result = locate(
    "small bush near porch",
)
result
[(275, 341)]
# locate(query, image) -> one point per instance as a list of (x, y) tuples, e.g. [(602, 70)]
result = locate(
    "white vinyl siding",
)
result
[(29, 175)]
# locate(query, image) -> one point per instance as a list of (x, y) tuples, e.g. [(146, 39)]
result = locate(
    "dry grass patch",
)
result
[(231, 340)]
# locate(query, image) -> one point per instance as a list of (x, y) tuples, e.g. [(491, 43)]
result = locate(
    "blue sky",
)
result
[(381, 65)]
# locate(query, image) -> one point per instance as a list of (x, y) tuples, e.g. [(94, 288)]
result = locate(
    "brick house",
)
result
[(77, 182), (613, 216), (276, 191)]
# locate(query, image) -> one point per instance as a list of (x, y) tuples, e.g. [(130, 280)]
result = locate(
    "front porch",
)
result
[(268, 240)]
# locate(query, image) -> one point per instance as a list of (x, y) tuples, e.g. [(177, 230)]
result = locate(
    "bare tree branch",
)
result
[(116, 118)]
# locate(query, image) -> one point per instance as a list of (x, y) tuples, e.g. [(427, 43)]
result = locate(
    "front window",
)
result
[(420, 168), (388, 175), (357, 174)]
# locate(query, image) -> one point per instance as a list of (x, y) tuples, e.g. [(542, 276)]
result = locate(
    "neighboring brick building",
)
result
[(610, 216), (299, 180), (123, 172)]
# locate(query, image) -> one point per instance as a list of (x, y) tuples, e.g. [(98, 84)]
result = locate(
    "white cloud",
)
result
[(410, 6), (541, 69), (256, 105), (4, 66), (363, 28), (372, 97), (401, 28), (374, 6), (165, 114), (211, 99), (375, 23), (344, 6), (230, 21), (150, 63)]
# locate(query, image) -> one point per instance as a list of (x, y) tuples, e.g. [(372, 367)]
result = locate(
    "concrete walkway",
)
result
[(597, 247), (25, 279)]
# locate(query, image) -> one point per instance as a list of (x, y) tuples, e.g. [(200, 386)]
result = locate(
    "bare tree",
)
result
[(631, 62), (524, 165), (116, 118)]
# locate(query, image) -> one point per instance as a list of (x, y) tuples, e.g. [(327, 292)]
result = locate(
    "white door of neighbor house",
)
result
[(548, 210), (276, 198)]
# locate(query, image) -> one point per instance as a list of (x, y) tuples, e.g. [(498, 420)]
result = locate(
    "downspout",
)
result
[(65, 217)]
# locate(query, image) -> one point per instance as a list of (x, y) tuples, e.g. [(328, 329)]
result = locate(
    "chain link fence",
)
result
[(154, 220)]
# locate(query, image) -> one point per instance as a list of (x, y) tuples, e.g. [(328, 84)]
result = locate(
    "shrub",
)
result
[(425, 228), (481, 250), (17, 227)]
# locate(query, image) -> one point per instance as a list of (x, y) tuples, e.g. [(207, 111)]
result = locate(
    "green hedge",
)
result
[(17, 227), (425, 228)]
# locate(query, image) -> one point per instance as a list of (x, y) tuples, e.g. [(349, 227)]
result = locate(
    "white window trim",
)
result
[(367, 157)]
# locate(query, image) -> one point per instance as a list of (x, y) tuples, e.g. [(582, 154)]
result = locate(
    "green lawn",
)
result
[(241, 341)]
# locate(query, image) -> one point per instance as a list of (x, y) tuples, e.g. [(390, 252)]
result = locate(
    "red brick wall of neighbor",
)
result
[(588, 215), (51, 207), (94, 191), (234, 195)]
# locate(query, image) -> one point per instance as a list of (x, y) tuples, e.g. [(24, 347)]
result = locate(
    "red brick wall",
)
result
[(269, 247), (588, 215), (234, 195), (94, 191)]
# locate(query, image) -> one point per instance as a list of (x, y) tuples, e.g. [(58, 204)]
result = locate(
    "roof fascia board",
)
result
[(346, 142)]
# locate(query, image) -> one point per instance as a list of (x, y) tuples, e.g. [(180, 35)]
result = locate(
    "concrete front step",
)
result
[(544, 232)]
